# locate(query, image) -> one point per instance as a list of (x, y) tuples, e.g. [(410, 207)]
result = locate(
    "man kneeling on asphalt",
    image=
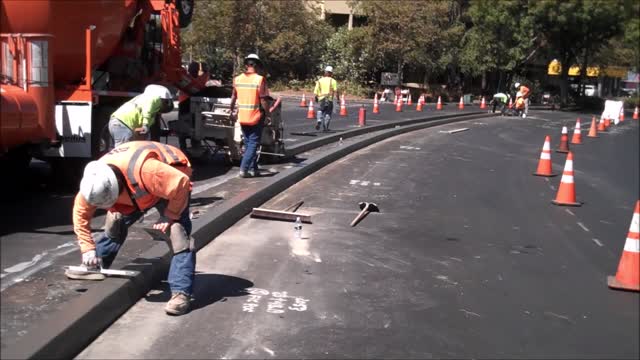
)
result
[(500, 101), (128, 181)]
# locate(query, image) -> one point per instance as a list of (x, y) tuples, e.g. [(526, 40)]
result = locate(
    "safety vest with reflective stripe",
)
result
[(248, 101), (129, 158)]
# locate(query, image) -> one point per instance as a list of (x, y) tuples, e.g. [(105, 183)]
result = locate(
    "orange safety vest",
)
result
[(130, 156), (248, 102)]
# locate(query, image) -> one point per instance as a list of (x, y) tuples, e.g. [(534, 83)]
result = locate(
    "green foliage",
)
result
[(347, 52)]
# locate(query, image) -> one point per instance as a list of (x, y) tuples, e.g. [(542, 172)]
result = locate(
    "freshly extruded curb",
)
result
[(66, 333)]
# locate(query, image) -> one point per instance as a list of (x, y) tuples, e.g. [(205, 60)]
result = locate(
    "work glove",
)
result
[(89, 259), (144, 129)]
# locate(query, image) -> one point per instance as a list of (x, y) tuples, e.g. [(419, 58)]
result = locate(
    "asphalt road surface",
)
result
[(466, 258)]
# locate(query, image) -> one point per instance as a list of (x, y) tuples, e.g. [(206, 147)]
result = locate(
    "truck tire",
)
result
[(185, 12)]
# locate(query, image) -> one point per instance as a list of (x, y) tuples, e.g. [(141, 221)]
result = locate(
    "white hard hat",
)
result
[(99, 185), (158, 90), (329, 68), (517, 85), (252, 57)]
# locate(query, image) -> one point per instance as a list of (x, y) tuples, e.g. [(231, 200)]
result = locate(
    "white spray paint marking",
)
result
[(570, 212), (364, 183), (269, 351), (277, 303), (597, 242), (446, 279), (353, 182), (376, 184), (606, 222), (470, 313), (583, 227)]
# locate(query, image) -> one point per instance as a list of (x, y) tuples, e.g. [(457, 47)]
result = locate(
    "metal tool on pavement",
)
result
[(366, 208), (294, 207), (109, 272)]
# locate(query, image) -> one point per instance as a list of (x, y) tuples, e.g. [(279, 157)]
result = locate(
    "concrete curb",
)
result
[(66, 333)]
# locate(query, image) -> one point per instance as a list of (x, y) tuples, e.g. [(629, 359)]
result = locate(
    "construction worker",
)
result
[(250, 93), (524, 93), (499, 100), (128, 181), (325, 90), (139, 114), (200, 74)]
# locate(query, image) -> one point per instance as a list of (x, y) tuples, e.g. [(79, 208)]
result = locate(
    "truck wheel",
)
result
[(185, 12)]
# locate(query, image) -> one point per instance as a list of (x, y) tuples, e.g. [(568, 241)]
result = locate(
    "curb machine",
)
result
[(211, 127), (66, 65)]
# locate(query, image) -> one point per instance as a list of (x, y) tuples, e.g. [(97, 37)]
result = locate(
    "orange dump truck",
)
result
[(66, 65)]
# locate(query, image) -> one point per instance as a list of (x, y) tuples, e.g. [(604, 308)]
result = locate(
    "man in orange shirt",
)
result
[(250, 94), (524, 93), (128, 181)]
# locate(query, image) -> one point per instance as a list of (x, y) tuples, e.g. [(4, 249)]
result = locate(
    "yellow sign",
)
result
[(555, 68)]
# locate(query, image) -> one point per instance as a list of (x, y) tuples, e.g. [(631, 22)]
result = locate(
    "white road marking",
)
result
[(470, 313), (376, 184), (364, 183), (583, 227), (268, 351), (597, 242), (353, 182), (570, 212)]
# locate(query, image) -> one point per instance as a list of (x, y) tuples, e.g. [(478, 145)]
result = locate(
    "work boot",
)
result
[(254, 173), (178, 305), (243, 174), (85, 275)]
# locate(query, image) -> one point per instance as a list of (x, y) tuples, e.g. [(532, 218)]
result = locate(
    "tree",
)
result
[(501, 38), (574, 30), (415, 33)]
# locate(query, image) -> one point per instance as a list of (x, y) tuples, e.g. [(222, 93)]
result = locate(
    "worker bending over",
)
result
[(139, 114), (128, 181)]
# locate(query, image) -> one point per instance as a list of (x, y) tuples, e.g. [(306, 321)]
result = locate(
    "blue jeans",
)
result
[(252, 137), (324, 114), (183, 264)]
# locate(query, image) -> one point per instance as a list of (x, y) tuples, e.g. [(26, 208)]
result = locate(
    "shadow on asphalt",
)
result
[(209, 289)]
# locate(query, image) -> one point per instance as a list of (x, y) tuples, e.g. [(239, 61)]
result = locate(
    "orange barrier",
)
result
[(577, 134), (567, 190), (544, 165), (564, 141), (628, 274), (362, 116)]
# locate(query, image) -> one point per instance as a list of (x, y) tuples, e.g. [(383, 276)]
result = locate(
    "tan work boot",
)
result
[(85, 275), (178, 305)]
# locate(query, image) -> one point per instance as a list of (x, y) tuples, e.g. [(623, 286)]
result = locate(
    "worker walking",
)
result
[(139, 113), (250, 93), (325, 90), (128, 181)]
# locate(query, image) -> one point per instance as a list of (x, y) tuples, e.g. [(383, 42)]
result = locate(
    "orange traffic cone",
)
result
[(461, 104), (409, 102), (635, 114), (577, 134), (621, 116), (399, 105), (544, 165), (601, 126), (607, 123), (343, 107), (419, 104), (628, 275), (593, 132), (483, 105), (564, 141), (422, 100), (303, 101), (567, 191), (376, 106), (439, 104), (311, 112)]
